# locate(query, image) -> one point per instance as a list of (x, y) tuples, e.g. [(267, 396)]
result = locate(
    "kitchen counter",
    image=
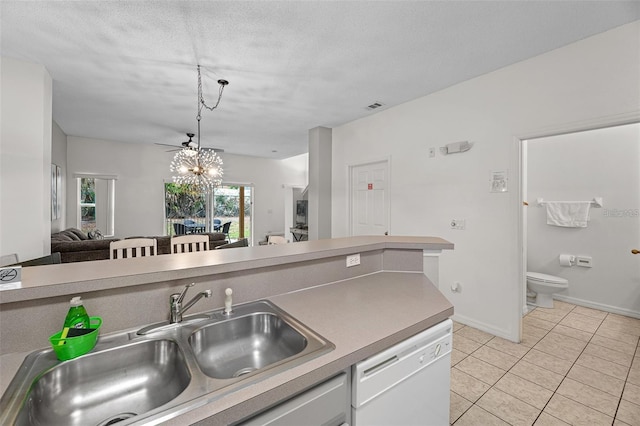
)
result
[(361, 317), (55, 280), (361, 310)]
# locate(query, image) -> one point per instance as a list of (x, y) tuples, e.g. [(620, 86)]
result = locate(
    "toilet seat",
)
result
[(548, 279)]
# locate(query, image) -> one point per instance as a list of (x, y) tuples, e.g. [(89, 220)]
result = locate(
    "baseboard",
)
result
[(486, 328), (600, 306)]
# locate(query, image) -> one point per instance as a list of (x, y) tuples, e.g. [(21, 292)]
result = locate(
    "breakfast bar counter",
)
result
[(361, 310)]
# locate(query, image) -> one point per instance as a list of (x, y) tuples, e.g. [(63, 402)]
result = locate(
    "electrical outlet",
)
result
[(457, 224), (353, 260), (456, 287)]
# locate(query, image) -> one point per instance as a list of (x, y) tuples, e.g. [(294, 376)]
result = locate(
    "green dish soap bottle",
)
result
[(77, 316)]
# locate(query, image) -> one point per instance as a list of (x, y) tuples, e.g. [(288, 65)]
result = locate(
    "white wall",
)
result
[(588, 80), (25, 160), (59, 158), (579, 166), (142, 169)]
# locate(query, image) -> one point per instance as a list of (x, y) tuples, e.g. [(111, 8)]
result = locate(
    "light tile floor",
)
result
[(574, 366)]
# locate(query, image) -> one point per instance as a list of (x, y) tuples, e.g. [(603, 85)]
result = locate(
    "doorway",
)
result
[(579, 166), (233, 205), (228, 209), (369, 198)]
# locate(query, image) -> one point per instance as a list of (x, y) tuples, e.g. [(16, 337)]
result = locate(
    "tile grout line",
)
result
[(556, 389), (505, 373), (624, 387), (564, 376), (574, 363), (595, 356)]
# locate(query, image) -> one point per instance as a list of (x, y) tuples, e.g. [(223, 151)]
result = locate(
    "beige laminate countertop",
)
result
[(55, 280), (360, 316)]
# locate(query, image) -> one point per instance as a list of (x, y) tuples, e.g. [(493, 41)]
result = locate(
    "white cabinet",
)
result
[(325, 404)]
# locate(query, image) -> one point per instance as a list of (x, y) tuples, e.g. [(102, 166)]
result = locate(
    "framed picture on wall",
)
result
[(56, 196)]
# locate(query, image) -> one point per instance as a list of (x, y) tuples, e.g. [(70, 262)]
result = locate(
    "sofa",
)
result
[(76, 246)]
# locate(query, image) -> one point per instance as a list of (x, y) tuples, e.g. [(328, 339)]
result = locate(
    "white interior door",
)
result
[(370, 198)]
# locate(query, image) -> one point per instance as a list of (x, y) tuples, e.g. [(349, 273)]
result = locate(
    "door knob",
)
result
[(635, 251)]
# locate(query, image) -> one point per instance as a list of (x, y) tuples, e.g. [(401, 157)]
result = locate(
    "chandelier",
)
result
[(197, 166)]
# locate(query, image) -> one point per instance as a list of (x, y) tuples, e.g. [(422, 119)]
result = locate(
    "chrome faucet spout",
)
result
[(176, 299), (197, 297)]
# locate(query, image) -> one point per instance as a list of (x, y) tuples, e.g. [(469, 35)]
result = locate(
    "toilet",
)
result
[(545, 286)]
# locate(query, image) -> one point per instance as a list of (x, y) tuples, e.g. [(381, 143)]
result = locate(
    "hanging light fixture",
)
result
[(199, 167)]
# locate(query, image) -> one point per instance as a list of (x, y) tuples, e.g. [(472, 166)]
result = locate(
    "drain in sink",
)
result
[(117, 418), (244, 371)]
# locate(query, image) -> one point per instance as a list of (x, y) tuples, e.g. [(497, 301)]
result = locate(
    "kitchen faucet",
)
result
[(176, 299)]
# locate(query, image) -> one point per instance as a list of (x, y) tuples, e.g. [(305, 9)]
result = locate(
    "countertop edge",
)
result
[(54, 280)]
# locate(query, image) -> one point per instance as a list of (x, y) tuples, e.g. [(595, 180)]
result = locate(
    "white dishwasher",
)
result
[(407, 384)]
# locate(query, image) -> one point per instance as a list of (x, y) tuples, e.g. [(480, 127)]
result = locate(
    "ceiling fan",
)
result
[(189, 144)]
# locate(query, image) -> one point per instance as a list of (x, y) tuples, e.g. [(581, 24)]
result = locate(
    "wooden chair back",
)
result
[(276, 239), (133, 247), (189, 243)]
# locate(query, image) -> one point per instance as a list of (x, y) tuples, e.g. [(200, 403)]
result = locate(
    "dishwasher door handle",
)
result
[(380, 366)]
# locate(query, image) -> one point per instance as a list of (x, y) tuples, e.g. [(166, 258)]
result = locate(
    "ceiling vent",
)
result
[(375, 105)]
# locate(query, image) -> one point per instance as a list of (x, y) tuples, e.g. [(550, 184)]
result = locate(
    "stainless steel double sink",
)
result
[(161, 371)]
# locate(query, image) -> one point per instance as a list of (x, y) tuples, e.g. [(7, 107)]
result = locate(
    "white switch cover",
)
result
[(432, 152), (353, 260), (457, 224)]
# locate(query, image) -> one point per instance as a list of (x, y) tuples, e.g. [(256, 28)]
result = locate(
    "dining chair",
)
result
[(225, 229), (9, 259), (189, 243), (242, 242), (133, 247), (50, 259), (179, 229), (277, 239)]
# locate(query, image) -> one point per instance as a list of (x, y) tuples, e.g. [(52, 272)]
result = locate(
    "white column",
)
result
[(319, 193)]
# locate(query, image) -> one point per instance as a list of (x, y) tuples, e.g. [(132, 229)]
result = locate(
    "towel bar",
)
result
[(596, 202)]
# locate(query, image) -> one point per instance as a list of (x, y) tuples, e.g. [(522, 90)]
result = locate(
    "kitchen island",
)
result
[(361, 310)]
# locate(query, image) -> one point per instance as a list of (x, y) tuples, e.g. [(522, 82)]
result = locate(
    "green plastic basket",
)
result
[(72, 347)]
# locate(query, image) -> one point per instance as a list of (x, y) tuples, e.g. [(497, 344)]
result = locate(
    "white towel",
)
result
[(571, 214)]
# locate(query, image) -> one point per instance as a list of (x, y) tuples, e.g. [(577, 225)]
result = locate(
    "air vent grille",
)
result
[(375, 105)]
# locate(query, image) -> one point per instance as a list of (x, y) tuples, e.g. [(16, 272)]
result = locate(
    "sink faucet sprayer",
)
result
[(176, 299), (228, 302)]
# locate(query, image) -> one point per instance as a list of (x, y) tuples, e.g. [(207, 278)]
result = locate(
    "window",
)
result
[(185, 209), (189, 211), (96, 199), (233, 204)]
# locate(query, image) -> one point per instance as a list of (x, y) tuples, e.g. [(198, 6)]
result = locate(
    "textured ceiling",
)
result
[(126, 70)]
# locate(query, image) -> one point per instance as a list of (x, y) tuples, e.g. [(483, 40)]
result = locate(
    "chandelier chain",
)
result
[(201, 101), (200, 168)]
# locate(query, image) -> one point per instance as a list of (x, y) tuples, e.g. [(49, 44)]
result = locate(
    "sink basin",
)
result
[(109, 386), (160, 371), (243, 345)]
